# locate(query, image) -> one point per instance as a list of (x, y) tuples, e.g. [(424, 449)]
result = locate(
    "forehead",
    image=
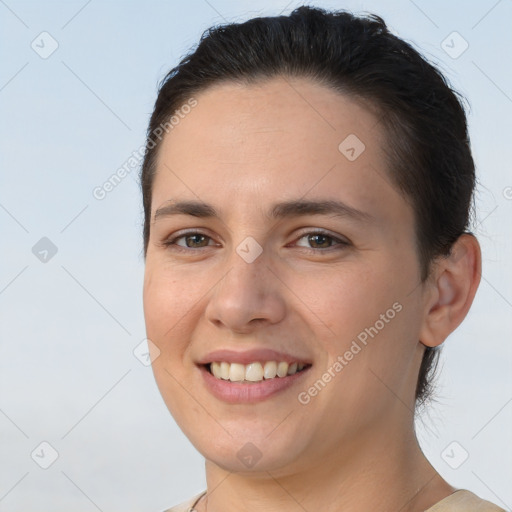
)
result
[(279, 115), (274, 140)]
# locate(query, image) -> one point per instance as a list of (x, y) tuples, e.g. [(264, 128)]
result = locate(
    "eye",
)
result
[(192, 240), (321, 240)]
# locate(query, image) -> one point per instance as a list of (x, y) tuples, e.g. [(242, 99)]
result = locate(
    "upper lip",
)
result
[(250, 356)]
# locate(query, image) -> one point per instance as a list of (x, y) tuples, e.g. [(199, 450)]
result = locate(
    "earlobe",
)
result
[(451, 290)]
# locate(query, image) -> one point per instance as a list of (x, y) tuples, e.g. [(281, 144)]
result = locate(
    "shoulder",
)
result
[(186, 506), (460, 501), (464, 501)]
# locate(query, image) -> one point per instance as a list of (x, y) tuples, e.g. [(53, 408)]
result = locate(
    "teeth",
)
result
[(215, 369), (282, 369), (236, 372), (253, 372), (224, 371), (292, 369), (270, 370)]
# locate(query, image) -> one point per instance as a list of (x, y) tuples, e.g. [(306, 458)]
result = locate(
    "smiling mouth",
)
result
[(254, 372)]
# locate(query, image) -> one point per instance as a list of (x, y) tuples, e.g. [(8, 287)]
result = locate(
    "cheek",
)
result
[(362, 316), (167, 308), (345, 301), (167, 304)]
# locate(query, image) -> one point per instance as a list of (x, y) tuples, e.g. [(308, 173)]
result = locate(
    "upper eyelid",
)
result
[(178, 235)]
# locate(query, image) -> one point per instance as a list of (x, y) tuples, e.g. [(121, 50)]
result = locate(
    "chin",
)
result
[(249, 454)]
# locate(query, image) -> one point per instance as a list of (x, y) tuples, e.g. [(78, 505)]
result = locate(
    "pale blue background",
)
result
[(68, 375)]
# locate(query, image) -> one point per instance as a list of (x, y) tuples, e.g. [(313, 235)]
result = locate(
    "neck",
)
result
[(384, 470)]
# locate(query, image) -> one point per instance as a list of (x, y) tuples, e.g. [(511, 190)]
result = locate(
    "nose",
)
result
[(250, 295)]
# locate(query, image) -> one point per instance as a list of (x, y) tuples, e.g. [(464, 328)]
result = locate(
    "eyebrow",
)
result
[(292, 208)]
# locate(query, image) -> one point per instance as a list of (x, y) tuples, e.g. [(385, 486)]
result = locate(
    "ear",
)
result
[(450, 290)]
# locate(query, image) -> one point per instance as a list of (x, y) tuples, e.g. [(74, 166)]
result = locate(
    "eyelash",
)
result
[(340, 244)]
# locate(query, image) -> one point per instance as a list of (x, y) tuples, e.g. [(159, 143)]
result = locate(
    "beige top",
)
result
[(459, 501)]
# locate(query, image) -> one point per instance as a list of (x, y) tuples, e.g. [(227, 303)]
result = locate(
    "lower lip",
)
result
[(242, 393)]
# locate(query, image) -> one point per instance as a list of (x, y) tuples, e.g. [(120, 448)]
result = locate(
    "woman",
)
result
[(307, 187)]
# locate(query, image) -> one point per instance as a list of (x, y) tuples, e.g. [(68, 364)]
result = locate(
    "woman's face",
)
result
[(257, 278)]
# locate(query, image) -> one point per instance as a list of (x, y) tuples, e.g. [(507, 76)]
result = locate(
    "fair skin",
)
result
[(352, 447)]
